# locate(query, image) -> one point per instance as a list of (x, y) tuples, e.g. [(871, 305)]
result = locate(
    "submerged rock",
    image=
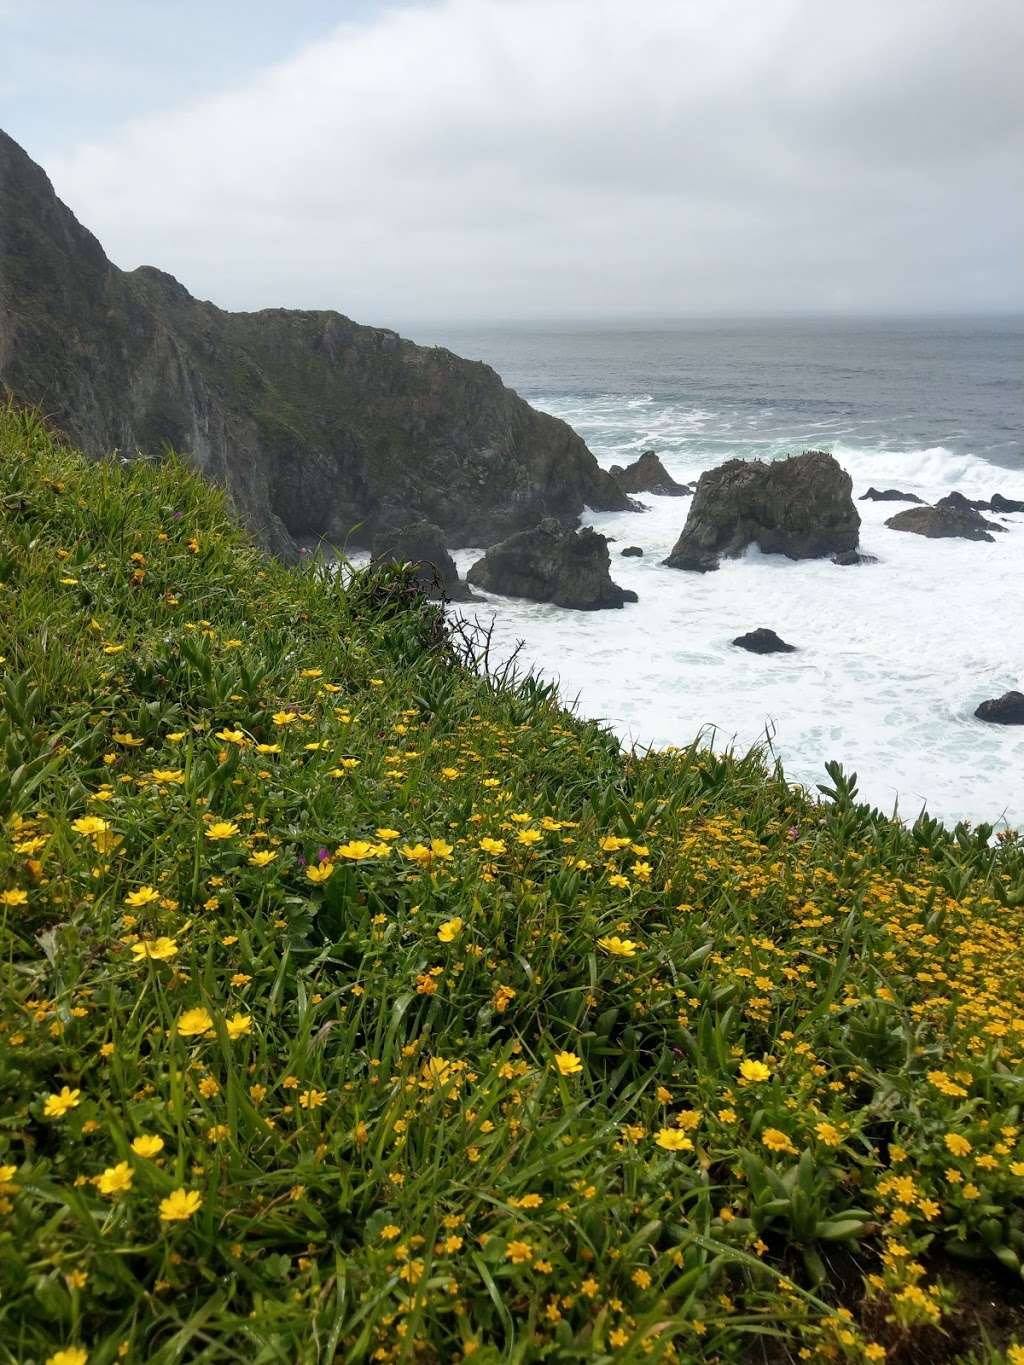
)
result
[(648, 475), (849, 557), (801, 507), (550, 564), (631, 552), (889, 495), (1005, 710), (422, 543), (944, 522), (763, 641)]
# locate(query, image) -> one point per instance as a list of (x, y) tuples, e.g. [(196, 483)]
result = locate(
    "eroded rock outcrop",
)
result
[(888, 495), (422, 544), (945, 522), (1001, 504), (312, 422), (763, 641), (801, 507), (1005, 710), (648, 475), (550, 564)]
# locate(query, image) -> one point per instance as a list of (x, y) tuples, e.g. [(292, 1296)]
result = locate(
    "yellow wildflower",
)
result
[(180, 1206)]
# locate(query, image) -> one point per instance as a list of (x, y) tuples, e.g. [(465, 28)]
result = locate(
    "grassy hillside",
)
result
[(357, 1008)]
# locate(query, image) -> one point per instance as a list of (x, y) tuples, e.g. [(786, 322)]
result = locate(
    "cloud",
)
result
[(505, 158)]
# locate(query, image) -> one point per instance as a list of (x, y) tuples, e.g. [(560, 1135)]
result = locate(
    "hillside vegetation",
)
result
[(359, 1006)]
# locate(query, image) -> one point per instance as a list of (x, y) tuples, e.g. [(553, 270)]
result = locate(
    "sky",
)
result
[(475, 160)]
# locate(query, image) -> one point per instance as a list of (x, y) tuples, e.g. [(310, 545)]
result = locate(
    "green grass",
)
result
[(781, 1020)]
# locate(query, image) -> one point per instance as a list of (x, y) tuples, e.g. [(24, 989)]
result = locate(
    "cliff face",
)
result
[(316, 425)]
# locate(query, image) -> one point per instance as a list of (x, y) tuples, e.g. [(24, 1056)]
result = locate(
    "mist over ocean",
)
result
[(893, 657)]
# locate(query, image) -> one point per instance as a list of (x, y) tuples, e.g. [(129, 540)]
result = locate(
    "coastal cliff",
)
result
[(316, 426)]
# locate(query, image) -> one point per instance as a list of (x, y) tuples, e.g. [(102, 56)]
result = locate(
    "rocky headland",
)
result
[(315, 425)]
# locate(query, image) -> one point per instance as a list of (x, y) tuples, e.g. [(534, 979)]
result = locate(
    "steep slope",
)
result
[(316, 426)]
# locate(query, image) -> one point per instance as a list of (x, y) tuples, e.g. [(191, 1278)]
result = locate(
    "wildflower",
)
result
[(176, 775), (518, 1252), (262, 857), (13, 897), (115, 1179), (672, 1140), (313, 1099), (611, 843), (529, 836), (777, 1141), (232, 736), (387, 834), (358, 850), (238, 1026), (503, 997), (159, 948), (618, 947), (492, 846), (830, 1136), (957, 1145), (284, 717), (147, 1145), (222, 829), (568, 1063), (193, 1022), (450, 930), (319, 872), (618, 880), (180, 1206), (89, 824), (753, 1072), (70, 1355), (56, 1106), (440, 849)]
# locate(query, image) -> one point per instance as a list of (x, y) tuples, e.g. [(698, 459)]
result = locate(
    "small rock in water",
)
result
[(763, 641), (1005, 710), (846, 557), (1001, 504), (648, 475), (631, 552), (948, 520), (889, 495), (958, 500), (551, 564)]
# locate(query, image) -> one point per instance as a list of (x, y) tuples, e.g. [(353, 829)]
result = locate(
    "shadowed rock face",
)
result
[(888, 495), (1005, 710), (648, 475), (944, 522), (313, 423), (423, 545), (550, 564), (800, 507)]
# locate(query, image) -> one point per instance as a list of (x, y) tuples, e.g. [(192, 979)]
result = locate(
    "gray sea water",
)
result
[(893, 657)]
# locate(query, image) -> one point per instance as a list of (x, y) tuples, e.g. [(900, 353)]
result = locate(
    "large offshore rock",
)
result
[(551, 564), (942, 522), (310, 421), (648, 475), (422, 544), (801, 507), (1005, 710)]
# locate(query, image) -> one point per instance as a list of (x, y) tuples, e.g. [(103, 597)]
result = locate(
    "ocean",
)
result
[(892, 657)]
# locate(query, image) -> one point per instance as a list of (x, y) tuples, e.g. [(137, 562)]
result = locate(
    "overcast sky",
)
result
[(499, 159)]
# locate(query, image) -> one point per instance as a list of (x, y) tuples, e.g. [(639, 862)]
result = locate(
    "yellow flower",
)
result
[(611, 843), (89, 824), (7, 1174), (357, 850), (518, 1252), (126, 738), (222, 829), (71, 1355), (180, 1206), (284, 717), (147, 1145), (14, 897), (312, 1099), (232, 736), (450, 930), (238, 1026), (159, 948), (57, 1106), (262, 857), (168, 775), (115, 1179), (529, 836), (618, 947), (568, 1063), (494, 846), (416, 853), (777, 1141), (672, 1140), (957, 1145), (193, 1022), (830, 1136), (1014, 1355), (754, 1072), (388, 834), (319, 872), (440, 848)]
